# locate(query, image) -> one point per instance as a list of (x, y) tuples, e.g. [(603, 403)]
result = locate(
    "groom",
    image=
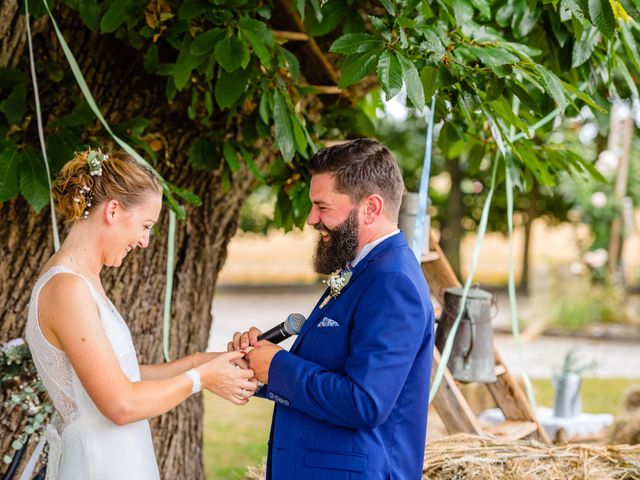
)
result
[(352, 394)]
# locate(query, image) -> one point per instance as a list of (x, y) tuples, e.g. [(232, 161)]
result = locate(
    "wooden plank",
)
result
[(512, 430), (438, 271), (455, 412), (512, 400)]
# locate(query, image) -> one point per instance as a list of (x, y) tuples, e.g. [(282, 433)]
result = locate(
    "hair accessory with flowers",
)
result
[(338, 280), (95, 159)]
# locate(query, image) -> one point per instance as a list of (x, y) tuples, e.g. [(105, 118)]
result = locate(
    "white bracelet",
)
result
[(194, 375)]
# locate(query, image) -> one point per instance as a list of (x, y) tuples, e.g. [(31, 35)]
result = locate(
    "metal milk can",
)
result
[(472, 358)]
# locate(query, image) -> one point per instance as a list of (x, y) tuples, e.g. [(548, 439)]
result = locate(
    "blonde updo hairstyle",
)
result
[(124, 179)]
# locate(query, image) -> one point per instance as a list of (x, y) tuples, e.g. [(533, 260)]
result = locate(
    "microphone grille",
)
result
[(294, 323)]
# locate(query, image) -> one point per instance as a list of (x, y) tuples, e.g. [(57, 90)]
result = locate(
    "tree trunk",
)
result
[(123, 90), (452, 231), (530, 216)]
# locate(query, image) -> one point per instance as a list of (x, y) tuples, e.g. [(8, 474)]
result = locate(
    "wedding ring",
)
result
[(243, 394)]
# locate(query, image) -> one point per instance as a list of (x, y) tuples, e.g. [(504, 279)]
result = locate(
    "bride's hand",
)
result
[(222, 377)]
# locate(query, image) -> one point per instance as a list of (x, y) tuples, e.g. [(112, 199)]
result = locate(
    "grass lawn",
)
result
[(236, 437)]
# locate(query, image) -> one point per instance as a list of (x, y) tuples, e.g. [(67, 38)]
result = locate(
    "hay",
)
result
[(626, 428), (470, 457)]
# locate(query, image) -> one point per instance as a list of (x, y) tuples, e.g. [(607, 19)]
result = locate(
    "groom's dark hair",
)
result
[(362, 167)]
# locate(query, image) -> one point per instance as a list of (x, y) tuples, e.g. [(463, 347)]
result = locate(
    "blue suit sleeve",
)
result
[(389, 328)]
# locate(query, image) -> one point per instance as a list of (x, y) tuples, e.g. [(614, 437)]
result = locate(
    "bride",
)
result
[(80, 343)]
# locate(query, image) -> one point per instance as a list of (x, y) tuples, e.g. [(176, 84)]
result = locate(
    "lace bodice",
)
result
[(58, 376)]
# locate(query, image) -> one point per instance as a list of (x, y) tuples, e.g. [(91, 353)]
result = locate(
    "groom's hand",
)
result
[(242, 341), (260, 359)]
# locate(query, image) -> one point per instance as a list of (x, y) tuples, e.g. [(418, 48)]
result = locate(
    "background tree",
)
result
[(218, 100)]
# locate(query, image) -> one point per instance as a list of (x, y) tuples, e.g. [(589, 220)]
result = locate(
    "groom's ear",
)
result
[(373, 206)]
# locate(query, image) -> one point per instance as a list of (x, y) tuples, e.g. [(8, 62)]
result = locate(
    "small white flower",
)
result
[(598, 200), (596, 258), (337, 281)]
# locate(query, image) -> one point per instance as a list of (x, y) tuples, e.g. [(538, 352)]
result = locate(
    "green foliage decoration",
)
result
[(480, 57), (22, 389)]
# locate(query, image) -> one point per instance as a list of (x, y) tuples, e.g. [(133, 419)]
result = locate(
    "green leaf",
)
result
[(630, 46), (582, 96), (205, 42), (151, 59), (554, 87), (15, 105), (284, 132), (412, 81), (602, 17), (389, 74), (263, 108), (230, 86), (493, 56), (632, 7), (583, 48), (355, 43), (246, 155), (115, 15), (389, 7), (231, 53), (9, 177), (90, 12), (33, 179), (193, 8), (259, 36), (202, 155), (292, 63), (230, 156), (356, 67), (429, 77), (182, 69), (298, 135)]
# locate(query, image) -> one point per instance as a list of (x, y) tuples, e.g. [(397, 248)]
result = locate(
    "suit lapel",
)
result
[(392, 242)]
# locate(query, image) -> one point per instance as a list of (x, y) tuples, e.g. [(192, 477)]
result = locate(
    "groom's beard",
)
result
[(341, 248)]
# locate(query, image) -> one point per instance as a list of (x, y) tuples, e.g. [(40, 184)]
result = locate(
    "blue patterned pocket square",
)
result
[(328, 322)]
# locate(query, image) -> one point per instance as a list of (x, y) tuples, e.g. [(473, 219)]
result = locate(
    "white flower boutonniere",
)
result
[(337, 281)]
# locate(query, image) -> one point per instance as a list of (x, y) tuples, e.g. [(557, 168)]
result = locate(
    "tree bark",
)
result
[(123, 90)]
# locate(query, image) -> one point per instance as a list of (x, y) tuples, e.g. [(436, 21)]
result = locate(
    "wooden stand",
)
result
[(449, 402)]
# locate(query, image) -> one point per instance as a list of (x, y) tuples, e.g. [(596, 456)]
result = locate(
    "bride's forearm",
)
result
[(176, 367), (149, 398)]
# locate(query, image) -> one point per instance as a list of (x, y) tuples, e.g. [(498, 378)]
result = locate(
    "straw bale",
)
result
[(471, 457), (626, 428)]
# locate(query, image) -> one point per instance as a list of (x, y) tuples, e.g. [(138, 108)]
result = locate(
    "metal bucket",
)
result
[(472, 358), (566, 395), (407, 220)]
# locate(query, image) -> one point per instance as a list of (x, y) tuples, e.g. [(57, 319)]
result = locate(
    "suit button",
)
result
[(286, 402), (271, 395)]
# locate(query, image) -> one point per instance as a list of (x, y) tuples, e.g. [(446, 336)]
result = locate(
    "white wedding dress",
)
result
[(92, 447)]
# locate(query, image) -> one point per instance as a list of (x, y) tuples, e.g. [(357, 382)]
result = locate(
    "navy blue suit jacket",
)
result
[(352, 396)]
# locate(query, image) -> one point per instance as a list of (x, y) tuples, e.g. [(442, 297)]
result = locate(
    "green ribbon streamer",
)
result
[(166, 325), (125, 146), (34, 79)]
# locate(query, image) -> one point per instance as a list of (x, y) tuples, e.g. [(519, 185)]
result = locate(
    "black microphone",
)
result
[(291, 326)]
